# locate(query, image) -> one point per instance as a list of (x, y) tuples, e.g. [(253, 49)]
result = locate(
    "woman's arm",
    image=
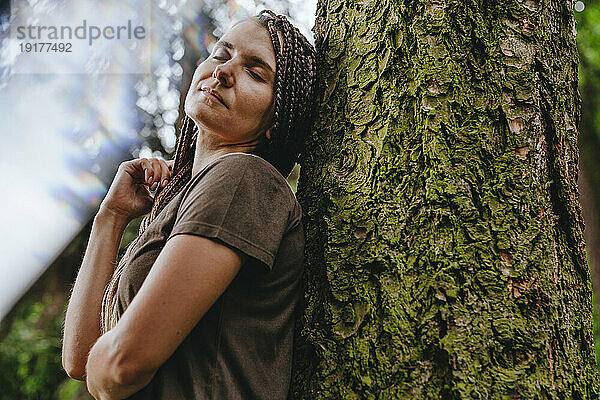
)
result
[(128, 197), (189, 275), (82, 322)]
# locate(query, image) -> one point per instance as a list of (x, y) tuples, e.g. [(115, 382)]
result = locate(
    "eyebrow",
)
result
[(253, 58)]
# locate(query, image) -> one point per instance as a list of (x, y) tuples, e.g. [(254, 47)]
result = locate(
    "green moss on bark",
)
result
[(445, 257)]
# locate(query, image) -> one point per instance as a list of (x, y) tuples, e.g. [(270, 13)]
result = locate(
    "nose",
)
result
[(223, 74)]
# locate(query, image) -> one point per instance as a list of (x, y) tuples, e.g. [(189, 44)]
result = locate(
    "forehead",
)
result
[(251, 39)]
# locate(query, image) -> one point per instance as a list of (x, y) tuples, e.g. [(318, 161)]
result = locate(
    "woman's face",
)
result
[(241, 72)]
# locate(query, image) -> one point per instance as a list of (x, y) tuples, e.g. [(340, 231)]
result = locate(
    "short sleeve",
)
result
[(240, 200)]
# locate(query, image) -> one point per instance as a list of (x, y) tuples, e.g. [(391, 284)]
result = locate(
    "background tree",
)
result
[(445, 253), (588, 43)]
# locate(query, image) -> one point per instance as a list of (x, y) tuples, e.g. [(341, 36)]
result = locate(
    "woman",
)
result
[(202, 304)]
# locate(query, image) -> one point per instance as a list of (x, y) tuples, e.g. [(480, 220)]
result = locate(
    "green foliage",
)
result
[(596, 334), (292, 179), (30, 352), (588, 42), (71, 389), (130, 233)]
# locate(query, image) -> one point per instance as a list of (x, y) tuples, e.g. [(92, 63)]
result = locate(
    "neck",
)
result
[(210, 146)]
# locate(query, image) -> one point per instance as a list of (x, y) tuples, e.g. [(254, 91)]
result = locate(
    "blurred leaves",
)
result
[(30, 353), (588, 43)]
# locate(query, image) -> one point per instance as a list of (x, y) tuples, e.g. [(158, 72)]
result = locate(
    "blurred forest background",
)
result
[(30, 335)]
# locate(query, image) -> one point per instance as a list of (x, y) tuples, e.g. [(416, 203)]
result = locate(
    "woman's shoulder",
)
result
[(253, 170), (243, 201), (248, 160)]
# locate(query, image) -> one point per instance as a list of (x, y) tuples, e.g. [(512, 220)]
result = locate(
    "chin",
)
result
[(193, 110), (190, 107), (208, 122)]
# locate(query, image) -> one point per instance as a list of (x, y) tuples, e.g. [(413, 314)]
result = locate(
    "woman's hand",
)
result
[(129, 194)]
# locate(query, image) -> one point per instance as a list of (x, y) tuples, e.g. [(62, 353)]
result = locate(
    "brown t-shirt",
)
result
[(242, 347)]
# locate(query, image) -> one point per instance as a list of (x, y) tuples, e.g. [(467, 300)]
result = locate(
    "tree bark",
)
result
[(445, 252)]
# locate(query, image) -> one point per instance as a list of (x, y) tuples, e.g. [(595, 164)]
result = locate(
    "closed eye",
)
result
[(255, 75), (220, 58)]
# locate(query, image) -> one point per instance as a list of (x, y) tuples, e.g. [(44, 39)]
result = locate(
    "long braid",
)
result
[(182, 172), (295, 95), (295, 91)]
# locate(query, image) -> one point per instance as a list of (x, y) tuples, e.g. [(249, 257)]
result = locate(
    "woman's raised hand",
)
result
[(129, 194)]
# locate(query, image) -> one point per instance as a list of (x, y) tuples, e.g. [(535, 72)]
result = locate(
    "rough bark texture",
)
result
[(445, 255)]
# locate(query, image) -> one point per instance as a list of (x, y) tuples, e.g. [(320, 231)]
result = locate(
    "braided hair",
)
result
[(295, 95)]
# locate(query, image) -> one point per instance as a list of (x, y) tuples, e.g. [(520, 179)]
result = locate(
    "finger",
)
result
[(156, 172), (165, 173), (160, 172), (146, 166), (153, 172)]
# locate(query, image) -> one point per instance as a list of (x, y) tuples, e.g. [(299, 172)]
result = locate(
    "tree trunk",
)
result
[(445, 253)]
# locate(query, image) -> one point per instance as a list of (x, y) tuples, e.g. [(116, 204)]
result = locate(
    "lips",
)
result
[(212, 93)]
